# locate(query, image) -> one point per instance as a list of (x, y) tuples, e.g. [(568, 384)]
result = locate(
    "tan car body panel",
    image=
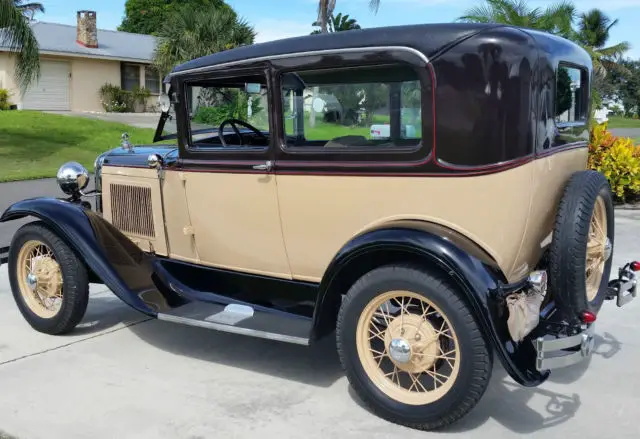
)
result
[(248, 223)]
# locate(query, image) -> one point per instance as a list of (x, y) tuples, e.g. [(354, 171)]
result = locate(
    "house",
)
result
[(76, 61)]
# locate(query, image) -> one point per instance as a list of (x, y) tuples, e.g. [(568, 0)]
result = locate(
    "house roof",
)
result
[(60, 39)]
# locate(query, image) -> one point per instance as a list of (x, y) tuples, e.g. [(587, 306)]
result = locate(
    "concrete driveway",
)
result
[(120, 375), (140, 120)]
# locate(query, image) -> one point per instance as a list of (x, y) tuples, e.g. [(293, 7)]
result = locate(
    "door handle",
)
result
[(267, 166)]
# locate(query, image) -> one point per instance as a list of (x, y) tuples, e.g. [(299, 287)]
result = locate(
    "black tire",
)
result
[(75, 281), (568, 251), (474, 371)]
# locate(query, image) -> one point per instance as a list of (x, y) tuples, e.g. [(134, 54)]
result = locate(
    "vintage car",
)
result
[(420, 190)]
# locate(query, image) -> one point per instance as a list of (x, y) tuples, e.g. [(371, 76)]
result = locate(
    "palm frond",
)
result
[(374, 5), (16, 34)]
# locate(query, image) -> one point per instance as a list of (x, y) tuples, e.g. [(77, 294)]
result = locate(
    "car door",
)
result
[(229, 184)]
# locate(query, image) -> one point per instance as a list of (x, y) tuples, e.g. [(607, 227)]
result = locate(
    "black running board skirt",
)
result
[(242, 319)]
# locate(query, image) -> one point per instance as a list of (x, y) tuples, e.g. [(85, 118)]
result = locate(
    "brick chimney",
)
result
[(87, 29)]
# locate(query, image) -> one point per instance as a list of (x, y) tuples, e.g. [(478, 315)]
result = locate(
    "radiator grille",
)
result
[(131, 210)]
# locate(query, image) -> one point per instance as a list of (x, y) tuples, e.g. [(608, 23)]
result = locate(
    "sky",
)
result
[(274, 19)]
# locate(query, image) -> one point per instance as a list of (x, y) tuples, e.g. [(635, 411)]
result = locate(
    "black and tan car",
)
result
[(421, 191)]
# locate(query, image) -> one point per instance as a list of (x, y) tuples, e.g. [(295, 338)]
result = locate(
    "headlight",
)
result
[(72, 178)]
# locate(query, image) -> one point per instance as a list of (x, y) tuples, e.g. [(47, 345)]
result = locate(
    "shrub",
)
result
[(140, 96), (4, 99), (210, 113), (618, 159), (116, 100)]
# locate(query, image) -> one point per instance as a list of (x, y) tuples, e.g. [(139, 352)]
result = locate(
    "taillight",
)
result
[(635, 266), (588, 317)]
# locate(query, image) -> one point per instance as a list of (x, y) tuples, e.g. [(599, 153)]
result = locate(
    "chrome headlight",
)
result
[(72, 178)]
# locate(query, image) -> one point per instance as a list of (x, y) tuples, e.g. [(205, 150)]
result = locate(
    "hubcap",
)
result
[(407, 347), (400, 350), (32, 281)]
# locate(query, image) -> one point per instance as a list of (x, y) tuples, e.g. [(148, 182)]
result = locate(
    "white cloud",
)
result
[(272, 29)]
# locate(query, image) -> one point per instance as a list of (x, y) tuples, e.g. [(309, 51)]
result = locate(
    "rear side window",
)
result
[(354, 108), (571, 100)]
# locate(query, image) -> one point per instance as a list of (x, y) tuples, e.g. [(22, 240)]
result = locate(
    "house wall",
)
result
[(7, 80), (87, 76)]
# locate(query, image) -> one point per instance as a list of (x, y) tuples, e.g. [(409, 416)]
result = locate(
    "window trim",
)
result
[(584, 76), (356, 152), (188, 151), (147, 69)]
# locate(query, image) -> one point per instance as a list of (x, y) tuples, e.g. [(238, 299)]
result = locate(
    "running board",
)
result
[(242, 319)]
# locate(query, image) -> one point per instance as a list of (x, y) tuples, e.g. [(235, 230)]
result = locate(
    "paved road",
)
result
[(626, 132), (120, 375)]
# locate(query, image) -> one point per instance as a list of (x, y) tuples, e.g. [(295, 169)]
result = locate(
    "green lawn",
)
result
[(327, 131), (34, 144), (623, 122)]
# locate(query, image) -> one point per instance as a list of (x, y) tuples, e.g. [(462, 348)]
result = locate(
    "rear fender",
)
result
[(113, 258), (481, 283)]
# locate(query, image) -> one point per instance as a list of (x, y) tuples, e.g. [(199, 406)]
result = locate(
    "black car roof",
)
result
[(427, 38)]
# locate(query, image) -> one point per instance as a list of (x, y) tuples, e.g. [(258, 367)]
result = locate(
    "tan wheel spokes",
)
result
[(40, 279), (407, 347), (597, 249)]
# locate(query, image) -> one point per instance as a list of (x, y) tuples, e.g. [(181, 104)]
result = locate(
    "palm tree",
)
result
[(593, 33), (326, 8), (28, 9), (191, 33), (338, 23), (556, 18), (17, 36)]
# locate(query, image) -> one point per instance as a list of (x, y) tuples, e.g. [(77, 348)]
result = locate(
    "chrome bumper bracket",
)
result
[(623, 289), (4, 255), (544, 361)]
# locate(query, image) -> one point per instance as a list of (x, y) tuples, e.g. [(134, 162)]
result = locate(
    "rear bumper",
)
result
[(563, 351)]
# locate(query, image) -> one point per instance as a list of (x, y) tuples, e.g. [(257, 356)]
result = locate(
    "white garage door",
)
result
[(52, 90)]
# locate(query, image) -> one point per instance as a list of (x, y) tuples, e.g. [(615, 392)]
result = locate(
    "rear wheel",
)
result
[(49, 283), (582, 246), (411, 348)]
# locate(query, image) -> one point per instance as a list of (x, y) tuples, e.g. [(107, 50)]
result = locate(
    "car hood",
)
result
[(138, 155)]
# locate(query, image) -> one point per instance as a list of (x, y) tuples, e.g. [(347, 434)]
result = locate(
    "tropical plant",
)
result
[(17, 36), (116, 100), (325, 12), (4, 99), (149, 16), (618, 159), (338, 23), (593, 34), (191, 33), (28, 9), (556, 18)]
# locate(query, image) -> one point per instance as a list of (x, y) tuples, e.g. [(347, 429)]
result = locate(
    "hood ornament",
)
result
[(126, 145)]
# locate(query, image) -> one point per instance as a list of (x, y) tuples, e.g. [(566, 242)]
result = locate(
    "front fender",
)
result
[(481, 284), (118, 262)]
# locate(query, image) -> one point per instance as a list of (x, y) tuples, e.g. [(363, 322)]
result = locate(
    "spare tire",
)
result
[(582, 245)]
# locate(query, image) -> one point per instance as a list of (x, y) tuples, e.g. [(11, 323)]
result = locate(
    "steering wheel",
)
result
[(234, 124)]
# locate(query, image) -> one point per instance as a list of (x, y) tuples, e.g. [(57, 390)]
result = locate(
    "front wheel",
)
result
[(49, 283), (411, 348)]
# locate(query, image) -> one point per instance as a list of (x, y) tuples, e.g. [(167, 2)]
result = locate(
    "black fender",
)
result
[(482, 284), (119, 263)]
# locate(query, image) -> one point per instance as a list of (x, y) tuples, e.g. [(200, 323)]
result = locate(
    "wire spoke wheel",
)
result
[(39, 279), (408, 347), (598, 249)]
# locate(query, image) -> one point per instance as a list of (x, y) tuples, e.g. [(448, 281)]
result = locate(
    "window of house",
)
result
[(152, 80), (237, 105), (365, 107), (572, 95), (130, 76)]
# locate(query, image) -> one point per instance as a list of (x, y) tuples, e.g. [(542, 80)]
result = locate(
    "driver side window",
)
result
[(228, 113)]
